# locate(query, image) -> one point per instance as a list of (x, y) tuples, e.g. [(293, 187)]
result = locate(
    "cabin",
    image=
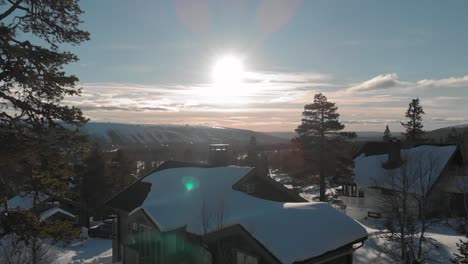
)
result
[(436, 170), (218, 154), (48, 207), (187, 213)]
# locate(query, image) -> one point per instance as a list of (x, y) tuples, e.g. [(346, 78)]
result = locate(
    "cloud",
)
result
[(119, 108), (448, 82), (380, 82), (371, 121), (286, 77), (391, 81), (274, 100)]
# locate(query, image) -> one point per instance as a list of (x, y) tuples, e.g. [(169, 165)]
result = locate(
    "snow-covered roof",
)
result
[(428, 161), (24, 202), (50, 212), (194, 197)]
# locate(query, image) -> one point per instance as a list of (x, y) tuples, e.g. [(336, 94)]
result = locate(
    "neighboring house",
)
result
[(49, 207), (436, 170), (185, 213)]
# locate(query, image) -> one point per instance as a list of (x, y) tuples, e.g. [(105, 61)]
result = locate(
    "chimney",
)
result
[(394, 148)]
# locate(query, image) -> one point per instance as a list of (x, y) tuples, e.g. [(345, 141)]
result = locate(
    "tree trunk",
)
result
[(34, 257), (323, 186)]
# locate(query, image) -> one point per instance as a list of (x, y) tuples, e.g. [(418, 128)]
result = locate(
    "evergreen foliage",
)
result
[(252, 155), (38, 133), (462, 256), (317, 133), (387, 134), (414, 127)]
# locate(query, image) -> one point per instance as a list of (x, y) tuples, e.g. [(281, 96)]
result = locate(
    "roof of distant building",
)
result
[(183, 197), (426, 160)]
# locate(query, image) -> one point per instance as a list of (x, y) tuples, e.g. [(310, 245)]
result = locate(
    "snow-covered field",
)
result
[(91, 250)]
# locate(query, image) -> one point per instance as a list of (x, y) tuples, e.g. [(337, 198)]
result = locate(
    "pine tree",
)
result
[(252, 156), (319, 126), (462, 256), (121, 171), (91, 177), (387, 134), (414, 127), (37, 131)]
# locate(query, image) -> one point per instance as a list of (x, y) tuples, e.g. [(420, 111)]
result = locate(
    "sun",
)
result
[(228, 71), (228, 86)]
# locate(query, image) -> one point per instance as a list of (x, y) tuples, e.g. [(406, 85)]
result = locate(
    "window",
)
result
[(353, 190), (345, 190), (374, 215), (133, 226), (244, 258)]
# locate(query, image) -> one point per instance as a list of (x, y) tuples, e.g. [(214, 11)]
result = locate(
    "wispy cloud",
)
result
[(287, 77), (380, 82), (448, 82), (391, 81), (274, 100)]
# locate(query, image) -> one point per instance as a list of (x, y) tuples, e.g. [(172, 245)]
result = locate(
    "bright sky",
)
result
[(154, 61)]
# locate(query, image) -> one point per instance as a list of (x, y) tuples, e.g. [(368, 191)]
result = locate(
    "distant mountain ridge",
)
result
[(442, 133), (361, 135), (130, 134)]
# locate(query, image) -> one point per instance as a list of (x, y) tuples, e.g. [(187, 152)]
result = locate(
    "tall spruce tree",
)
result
[(252, 156), (387, 134), (319, 127), (37, 131), (121, 170), (414, 127), (91, 177)]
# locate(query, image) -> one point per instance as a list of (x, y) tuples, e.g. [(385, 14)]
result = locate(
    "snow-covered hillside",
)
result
[(123, 134)]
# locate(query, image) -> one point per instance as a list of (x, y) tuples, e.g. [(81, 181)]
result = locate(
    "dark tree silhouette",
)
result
[(32, 80), (319, 126), (91, 176), (414, 127), (33, 84), (37, 131), (387, 134), (462, 256), (252, 155)]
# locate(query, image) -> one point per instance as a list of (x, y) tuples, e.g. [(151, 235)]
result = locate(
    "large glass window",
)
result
[(244, 258)]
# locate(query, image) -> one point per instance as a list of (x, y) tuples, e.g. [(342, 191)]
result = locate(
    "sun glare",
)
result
[(228, 70), (227, 86)]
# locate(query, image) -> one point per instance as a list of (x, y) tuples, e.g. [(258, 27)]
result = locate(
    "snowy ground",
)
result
[(92, 250), (443, 238), (309, 193)]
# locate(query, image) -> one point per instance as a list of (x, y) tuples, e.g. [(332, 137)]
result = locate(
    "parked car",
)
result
[(101, 230)]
